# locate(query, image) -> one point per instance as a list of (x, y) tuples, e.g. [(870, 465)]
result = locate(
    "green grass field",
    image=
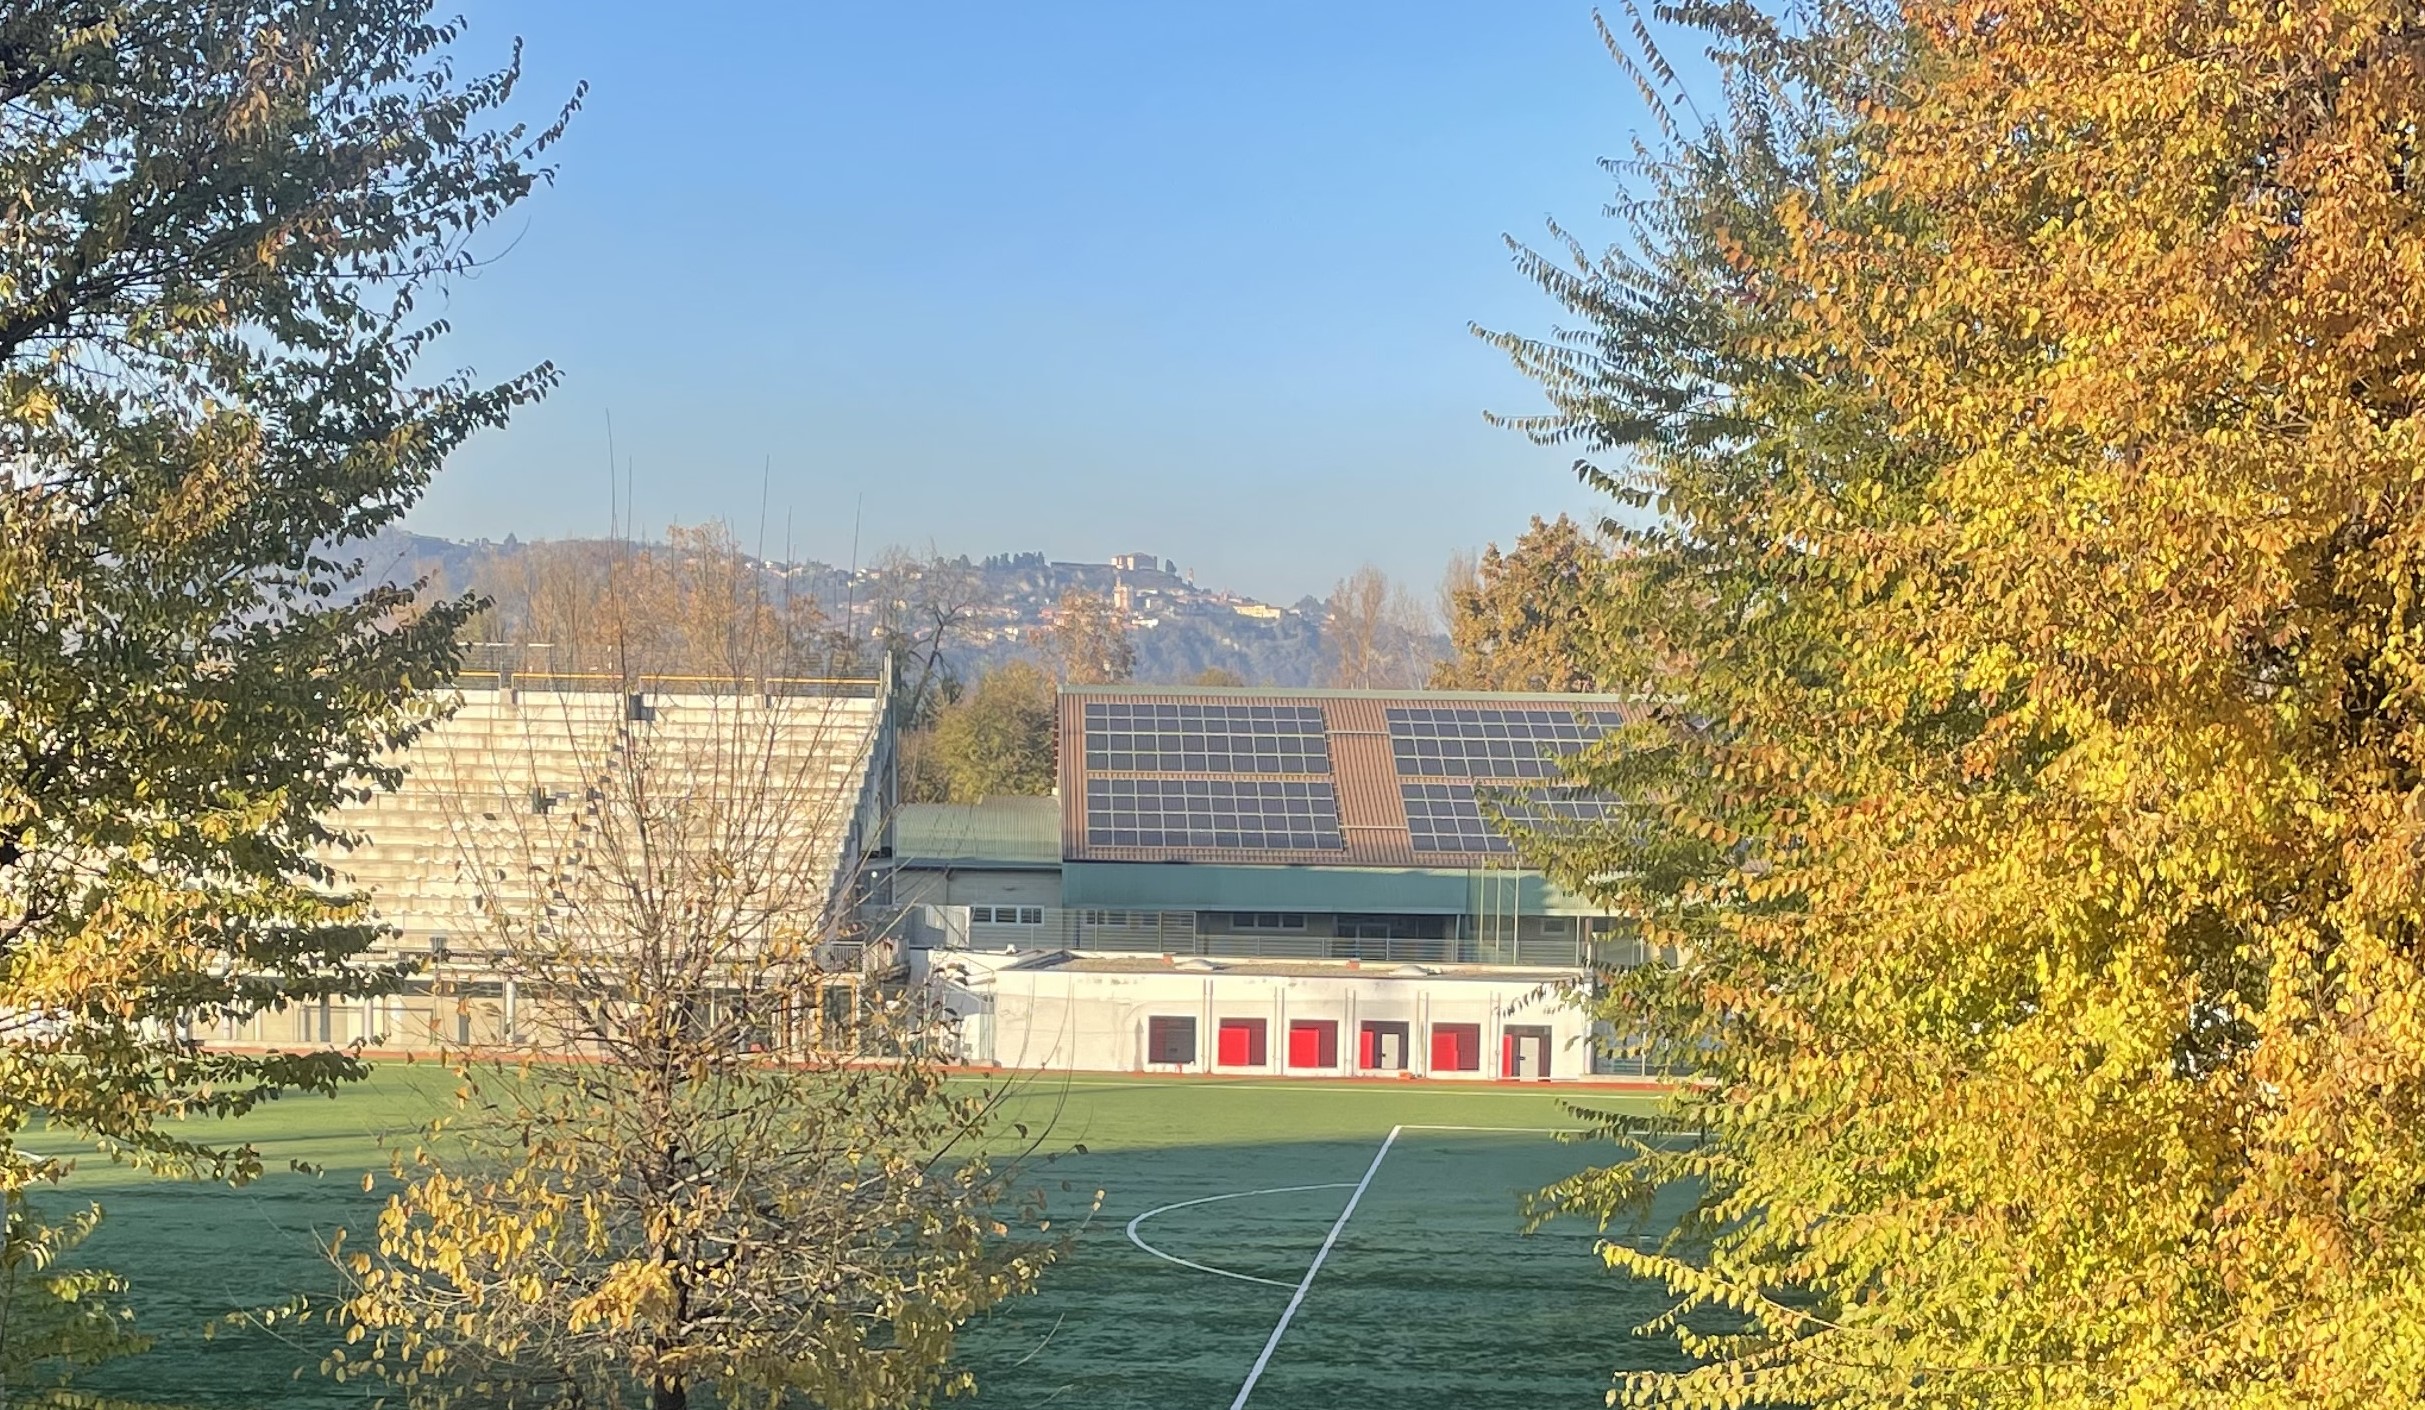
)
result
[(1220, 1198)]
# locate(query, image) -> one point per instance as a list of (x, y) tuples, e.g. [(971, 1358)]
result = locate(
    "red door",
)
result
[(1456, 1047), (1241, 1043), (1366, 1045), (1314, 1042)]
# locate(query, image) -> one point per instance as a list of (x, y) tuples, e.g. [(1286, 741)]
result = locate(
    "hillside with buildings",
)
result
[(1000, 606)]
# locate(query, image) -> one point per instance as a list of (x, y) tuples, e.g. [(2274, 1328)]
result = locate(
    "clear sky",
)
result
[(1190, 280)]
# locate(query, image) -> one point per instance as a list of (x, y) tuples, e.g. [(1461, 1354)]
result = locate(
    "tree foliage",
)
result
[(2030, 395), (696, 604), (1374, 634), (1523, 619), (218, 220), (998, 740), (930, 606), (709, 1165), (1089, 641), (58, 1318)]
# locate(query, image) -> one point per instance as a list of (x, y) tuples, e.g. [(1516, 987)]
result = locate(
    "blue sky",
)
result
[(1085, 279)]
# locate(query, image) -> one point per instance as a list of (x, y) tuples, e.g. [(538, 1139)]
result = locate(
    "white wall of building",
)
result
[(1022, 1013)]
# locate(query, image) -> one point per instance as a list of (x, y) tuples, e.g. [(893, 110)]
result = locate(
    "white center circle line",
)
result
[(1216, 1199)]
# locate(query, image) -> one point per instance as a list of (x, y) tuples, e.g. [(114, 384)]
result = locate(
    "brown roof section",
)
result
[(1364, 773)]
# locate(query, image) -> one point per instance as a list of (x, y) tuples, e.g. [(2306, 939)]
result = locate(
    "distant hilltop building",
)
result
[(1136, 563)]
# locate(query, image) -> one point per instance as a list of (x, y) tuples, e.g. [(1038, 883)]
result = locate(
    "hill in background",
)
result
[(992, 610)]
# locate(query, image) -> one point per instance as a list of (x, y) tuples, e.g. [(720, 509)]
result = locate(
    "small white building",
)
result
[(1097, 1012)]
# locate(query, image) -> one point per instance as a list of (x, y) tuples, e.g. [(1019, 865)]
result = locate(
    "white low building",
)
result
[(1096, 1012)]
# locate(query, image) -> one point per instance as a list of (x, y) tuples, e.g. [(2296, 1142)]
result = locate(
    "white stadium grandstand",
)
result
[(522, 808)]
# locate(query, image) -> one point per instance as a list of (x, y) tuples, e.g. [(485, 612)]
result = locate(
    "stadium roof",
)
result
[(1315, 777)]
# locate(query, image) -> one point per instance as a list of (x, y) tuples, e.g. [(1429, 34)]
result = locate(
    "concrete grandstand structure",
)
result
[(507, 809)]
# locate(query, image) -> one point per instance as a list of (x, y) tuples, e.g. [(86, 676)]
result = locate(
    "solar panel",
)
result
[(1206, 738), (1447, 817), (1491, 742), (1254, 814)]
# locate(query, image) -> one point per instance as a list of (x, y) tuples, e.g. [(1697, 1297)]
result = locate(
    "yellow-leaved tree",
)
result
[(2030, 397)]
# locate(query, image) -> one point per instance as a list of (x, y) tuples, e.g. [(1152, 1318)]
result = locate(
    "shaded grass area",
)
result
[(1430, 1297)]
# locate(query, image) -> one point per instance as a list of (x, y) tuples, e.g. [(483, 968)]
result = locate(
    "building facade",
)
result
[(1321, 868)]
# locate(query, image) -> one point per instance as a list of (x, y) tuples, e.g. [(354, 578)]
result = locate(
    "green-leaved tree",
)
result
[(217, 218), (998, 740)]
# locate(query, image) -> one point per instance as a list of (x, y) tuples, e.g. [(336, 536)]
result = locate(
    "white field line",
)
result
[(1519, 1130), (1297, 1299), (1215, 1199)]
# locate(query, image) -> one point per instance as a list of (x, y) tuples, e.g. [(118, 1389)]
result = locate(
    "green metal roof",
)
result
[(1005, 832)]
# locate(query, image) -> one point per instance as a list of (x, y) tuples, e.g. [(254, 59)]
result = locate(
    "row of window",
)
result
[(1383, 1046), (1348, 927)]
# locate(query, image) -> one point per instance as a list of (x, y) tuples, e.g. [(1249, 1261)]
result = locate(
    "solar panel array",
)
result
[(1489, 742), (1233, 775), (1259, 814), (1206, 738), (1447, 817)]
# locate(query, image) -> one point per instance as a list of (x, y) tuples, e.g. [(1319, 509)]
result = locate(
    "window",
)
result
[(1170, 1040), (1456, 1047), (1006, 915), (1267, 920)]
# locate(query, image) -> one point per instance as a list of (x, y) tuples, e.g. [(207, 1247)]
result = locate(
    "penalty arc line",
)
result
[(1134, 1238), (1297, 1299)]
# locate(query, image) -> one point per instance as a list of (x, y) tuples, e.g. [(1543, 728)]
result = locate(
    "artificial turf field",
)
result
[(1225, 1268)]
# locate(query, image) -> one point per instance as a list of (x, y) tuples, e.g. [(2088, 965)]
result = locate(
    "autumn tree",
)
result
[(1219, 678), (1374, 634), (2031, 760), (707, 1163), (697, 603), (998, 740), (1089, 641), (1522, 619), (929, 606), (220, 223)]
